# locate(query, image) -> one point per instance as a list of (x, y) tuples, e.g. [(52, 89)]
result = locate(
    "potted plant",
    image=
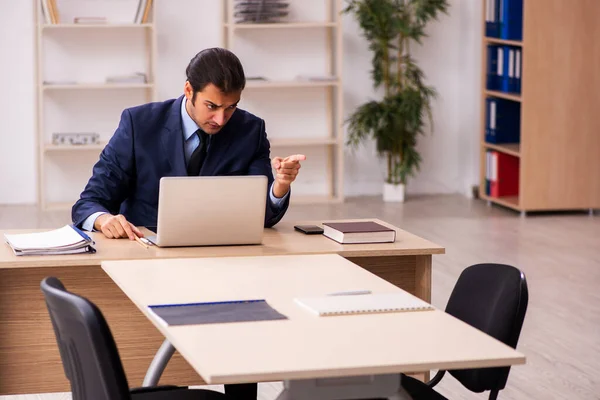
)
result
[(399, 117)]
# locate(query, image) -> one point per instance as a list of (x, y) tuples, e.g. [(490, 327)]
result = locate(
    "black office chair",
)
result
[(90, 357), (493, 298)]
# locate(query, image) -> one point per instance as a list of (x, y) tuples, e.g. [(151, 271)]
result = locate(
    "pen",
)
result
[(149, 243), (350, 292), (81, 233), (137, 239)]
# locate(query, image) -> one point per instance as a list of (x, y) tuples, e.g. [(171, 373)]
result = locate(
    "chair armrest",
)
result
[(436, 379)]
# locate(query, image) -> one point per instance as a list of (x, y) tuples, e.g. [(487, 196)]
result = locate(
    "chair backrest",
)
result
[(89, 355), (492, 298)]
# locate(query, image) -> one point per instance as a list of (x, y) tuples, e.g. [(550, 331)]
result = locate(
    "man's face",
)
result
[(212, 108)]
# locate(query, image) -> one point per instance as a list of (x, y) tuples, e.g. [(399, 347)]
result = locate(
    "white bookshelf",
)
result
[(88, 147), (331, 138), (61, 26), (71, 164), (97, 86), (282, 25), (251, 84)]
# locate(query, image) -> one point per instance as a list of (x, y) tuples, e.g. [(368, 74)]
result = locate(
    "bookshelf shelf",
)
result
[(557, 166), (280, 25), (331, 142), (508, 201), (98, 86), (491, 40), (61, 148), (289, 84), (95, 26), (514, 149), (503, 95)]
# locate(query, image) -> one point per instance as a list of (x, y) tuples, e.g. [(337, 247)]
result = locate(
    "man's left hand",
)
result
[(286, 170)]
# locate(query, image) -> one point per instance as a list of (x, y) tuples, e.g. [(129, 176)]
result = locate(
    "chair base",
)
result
[(176, 393), (419, 390), (359, 387)]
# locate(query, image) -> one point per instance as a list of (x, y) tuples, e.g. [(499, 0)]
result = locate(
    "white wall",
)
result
[(450, 57), (17, 103)]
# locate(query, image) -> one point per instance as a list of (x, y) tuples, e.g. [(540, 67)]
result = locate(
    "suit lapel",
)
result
[(172, 139)]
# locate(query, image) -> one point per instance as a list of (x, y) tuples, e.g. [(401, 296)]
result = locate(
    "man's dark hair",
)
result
[(218, 66)]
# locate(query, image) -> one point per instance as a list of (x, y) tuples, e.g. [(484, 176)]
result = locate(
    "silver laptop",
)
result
[(210, 211)]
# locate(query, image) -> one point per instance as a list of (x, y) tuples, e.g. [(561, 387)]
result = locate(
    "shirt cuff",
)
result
[(88, 224), (276, 200)]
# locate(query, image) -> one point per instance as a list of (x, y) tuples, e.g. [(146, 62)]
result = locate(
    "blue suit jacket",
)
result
[(148, 144)]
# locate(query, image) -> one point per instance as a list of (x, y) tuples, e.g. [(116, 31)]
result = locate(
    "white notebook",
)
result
[(361, 304)]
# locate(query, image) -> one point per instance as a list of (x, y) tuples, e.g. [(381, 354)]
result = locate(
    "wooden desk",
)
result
[(29, 359), (304, 346)]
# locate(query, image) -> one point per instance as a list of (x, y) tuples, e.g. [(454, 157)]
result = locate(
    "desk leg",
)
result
[(29, 358), (159, 363), (423, 288)]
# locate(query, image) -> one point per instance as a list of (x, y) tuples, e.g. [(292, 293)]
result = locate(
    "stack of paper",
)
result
[(66, 240)]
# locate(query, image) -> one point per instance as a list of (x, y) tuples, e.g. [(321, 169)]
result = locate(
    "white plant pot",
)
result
[(393, 193)]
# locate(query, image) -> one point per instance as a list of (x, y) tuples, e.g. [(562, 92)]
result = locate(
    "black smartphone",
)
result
[(309, 229)]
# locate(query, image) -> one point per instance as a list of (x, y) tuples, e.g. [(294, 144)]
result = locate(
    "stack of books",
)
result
[(260, 11), (136, 77)]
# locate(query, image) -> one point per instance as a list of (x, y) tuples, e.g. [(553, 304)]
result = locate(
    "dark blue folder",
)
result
[(511, 19), (216, 312), (503, 121), (494, 56)]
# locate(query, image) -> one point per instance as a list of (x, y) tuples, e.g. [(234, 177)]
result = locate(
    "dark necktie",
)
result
[(199, 155)]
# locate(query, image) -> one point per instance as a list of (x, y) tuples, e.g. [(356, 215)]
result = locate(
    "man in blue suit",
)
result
[(200, 133)]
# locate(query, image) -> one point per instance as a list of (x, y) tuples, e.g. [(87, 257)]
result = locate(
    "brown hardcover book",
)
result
[(358, 232)]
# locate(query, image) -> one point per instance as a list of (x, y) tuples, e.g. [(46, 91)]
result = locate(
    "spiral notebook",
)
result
[(363, 304)]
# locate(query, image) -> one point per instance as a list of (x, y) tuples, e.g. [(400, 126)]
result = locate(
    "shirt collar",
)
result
[(189, 126)]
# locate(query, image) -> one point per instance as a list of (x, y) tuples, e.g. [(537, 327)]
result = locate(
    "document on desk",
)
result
[(215, 312), (363, 304), (66, 240)]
